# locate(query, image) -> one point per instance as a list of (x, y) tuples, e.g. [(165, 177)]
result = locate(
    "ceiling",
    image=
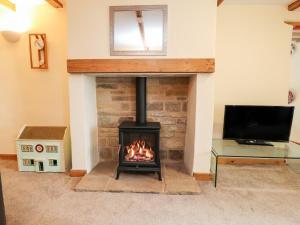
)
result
[(267, 2)]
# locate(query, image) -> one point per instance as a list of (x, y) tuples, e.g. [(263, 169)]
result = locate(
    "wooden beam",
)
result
[(55, 3), (7, 4), (220, 2), (141, 65), (293, 6)]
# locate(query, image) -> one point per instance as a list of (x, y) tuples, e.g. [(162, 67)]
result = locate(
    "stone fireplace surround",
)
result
[(86, 130), (167, 99)]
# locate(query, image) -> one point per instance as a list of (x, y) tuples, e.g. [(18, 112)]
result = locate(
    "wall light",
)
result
[(11, 36), (7, 5)]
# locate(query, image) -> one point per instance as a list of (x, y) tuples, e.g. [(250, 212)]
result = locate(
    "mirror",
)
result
[(38, 51), (138, 30)]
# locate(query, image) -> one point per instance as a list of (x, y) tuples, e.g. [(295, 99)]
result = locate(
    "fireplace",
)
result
[(139, 141)]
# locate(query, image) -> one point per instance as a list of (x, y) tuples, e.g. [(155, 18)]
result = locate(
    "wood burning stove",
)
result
[(139, 141)]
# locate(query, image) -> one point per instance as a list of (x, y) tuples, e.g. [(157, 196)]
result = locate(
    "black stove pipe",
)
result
[(141, 100)]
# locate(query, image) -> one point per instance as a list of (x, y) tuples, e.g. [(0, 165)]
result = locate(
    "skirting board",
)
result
[(202, 176), (298, 143), (77, 173), (8, 156)]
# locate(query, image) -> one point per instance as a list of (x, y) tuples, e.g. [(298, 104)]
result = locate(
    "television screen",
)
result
[(267, 123)]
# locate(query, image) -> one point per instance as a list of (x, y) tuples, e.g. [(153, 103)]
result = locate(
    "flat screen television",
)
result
[(257, 124)]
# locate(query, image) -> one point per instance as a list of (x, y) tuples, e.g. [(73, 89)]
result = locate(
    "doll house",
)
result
[(43, 149)]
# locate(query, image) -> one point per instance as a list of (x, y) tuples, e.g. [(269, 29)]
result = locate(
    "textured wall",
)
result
[(166, 103)]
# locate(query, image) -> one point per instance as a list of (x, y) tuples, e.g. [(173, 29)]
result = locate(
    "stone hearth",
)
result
[(175, 181)]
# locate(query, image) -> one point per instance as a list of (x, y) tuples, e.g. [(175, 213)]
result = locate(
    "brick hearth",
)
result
[(166, 103)]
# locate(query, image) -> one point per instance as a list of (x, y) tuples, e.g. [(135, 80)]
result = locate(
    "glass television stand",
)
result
[(231, 149)]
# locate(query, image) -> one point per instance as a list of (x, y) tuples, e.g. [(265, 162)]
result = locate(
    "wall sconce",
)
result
[(11, 36)]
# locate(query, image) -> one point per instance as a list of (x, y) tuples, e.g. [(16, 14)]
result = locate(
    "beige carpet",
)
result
[(240, 199), (175, 180)]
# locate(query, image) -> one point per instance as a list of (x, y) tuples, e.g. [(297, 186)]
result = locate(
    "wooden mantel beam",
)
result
[(55, 3), (200, 65), (293, 6), (220, 2)]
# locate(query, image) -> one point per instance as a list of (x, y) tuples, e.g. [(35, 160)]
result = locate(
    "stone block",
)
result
[(103, 98), (125, 106), (113, 142), (180, 135), (155, 106), (178, 92), (181, 98), (107, 86), (163, 155), (108, 132), (107, 122), (184, 107), (173, 107), (123, 98), (181, 121), (105, 154), (116, 114), (167, 134), (117, 92), (167, 121), (176, 155), (115, 154), (171, 143), (122, 119), (181, 127), (103, 142)]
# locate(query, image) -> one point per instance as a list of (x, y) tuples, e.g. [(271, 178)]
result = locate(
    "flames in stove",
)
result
[(138, 151)]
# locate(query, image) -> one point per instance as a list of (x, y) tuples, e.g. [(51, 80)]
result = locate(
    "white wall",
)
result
[(33, 96), (252, 57), (191, 27), (295, 86), (83, 119)]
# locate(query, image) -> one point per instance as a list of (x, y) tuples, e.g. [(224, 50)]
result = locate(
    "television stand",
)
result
[(253, 142), (231, 149)]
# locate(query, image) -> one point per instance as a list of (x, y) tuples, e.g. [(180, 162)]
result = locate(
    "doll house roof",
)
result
[(43, 133)]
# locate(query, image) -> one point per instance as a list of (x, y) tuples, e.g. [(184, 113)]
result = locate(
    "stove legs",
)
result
[(159, 176), (118, 174)]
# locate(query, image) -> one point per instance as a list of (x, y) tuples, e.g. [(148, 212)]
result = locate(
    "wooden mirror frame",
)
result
[(113, 9)]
